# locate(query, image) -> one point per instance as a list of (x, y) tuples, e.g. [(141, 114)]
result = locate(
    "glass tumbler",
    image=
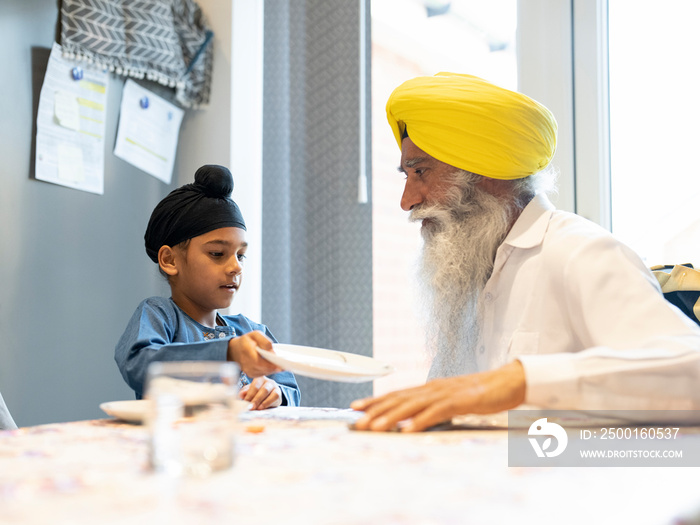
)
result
[(192, 416)]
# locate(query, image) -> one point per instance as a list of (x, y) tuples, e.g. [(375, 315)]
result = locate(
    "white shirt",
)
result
[(586, 318)]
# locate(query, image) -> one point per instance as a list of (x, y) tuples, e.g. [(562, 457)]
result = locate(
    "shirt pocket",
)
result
[(524, 343)]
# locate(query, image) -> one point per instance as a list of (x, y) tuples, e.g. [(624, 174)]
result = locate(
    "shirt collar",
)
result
[(529, 228)]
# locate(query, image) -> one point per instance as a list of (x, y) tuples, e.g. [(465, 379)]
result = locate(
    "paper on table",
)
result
[(522, 417), (148, 131), (71, 126)]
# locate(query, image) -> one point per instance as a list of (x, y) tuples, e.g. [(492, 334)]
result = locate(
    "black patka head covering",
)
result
[(193, 209)]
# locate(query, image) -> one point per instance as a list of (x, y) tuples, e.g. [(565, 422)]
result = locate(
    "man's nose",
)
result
[(411, 197)]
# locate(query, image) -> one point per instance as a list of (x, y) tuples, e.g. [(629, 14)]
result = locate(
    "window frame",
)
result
[(563, 62)]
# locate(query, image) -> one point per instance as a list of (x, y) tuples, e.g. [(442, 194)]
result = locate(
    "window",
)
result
[(654, 135)]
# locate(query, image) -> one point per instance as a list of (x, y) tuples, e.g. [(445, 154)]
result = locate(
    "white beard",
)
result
[(461, 237)]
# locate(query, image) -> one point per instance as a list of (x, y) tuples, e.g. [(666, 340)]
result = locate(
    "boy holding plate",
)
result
[(196, 235)]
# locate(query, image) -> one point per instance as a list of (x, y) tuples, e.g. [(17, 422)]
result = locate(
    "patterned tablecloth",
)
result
[(306, 466)]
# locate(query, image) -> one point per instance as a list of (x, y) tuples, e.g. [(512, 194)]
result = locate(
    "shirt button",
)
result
[(488, 296), (222, 335), (482, 349)]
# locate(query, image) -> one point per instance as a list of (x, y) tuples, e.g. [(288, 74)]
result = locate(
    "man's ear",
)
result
[(166, 260)]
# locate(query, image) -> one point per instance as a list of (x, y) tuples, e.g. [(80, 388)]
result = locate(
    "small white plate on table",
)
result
[(330, 365), (135, 410), (132, 411)]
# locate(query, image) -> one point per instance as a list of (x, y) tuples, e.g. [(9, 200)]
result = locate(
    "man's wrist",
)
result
[(516, 381)]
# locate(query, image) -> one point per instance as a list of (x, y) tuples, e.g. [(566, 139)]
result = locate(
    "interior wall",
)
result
[(72, 264)]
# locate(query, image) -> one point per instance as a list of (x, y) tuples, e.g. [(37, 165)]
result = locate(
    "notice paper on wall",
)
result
[(70, 125), (148, 131)]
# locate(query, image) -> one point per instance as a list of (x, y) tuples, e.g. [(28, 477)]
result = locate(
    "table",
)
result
[(306, 466)]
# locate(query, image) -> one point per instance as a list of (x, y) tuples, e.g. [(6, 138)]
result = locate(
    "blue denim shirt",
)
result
[(160, 331)]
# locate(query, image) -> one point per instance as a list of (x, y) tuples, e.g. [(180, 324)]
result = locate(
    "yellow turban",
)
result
[(474, 125)]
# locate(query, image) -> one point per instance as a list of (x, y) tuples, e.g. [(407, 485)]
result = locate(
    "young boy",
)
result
[(196, 235)]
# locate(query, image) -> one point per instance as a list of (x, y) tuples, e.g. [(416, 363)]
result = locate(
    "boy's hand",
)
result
[(263, 393), (243, 351)]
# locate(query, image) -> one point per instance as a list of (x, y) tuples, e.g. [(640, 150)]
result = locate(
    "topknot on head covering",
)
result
[(193, 209), (474, 125)]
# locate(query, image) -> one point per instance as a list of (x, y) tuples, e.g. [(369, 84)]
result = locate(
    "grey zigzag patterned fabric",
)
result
[(167, 41)]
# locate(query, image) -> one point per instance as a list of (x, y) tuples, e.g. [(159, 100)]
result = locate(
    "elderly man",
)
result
[(528, 304)]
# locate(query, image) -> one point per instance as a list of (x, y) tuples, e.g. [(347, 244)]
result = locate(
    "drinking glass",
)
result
[(192, 416)]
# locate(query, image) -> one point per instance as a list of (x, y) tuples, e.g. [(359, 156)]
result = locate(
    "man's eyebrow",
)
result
[(411, 163)]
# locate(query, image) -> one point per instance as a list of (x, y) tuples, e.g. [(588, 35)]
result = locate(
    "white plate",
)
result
[(132, 411), (330, 365), (135, 410)]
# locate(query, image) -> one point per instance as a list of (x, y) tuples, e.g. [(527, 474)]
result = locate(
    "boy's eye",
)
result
[(216, 254), (241, 256)]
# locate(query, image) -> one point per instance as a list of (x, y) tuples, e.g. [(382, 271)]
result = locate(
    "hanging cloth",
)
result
[(166, 41)]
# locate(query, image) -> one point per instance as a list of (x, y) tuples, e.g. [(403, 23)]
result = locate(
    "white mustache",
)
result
[(439, 213)]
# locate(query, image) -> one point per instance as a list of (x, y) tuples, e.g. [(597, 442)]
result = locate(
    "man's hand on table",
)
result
[(441, 399)]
